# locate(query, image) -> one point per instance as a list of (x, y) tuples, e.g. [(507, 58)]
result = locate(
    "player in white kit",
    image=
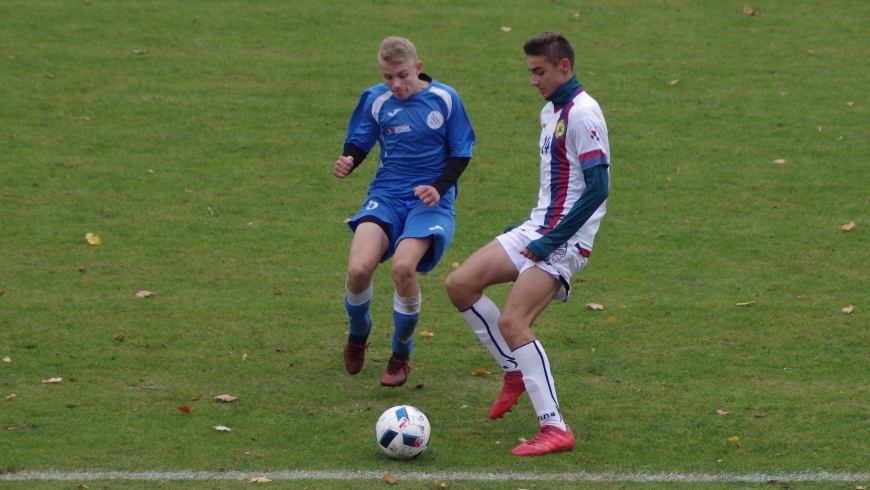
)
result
[(542, 254)]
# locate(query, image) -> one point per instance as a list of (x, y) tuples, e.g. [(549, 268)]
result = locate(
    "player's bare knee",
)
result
[(359, 275), (403, 271)]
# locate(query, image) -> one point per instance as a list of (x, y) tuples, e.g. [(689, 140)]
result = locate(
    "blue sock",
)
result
[(359, 321), (403, 336)]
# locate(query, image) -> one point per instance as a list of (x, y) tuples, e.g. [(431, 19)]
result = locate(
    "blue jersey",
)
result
[(416, 136)]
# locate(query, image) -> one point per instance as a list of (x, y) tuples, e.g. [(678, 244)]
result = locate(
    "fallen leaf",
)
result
[(463, 406), (860, 487), (92, 239), (455, 265), (347, 220), (810, 51), (226, 398), (389, 478), (10, 397), (184, 408), (779, 161), (850, 104), (506, 29), (783, 94), (480, 372), (10, 57), (6, 359), (848, 226), (140, 51), (722, 414), (82, 485), (576, 15), (594, 306), (748, 303), (820, 129), (611, 319), (848, 309), (260, 479), (523, 440), (49, 75), (86, 118), (144, 294), (440, 485), (150, 171), (674, 82), (52, 380), (244, 357), (222, 428), (119, 338), (735, 440), (748, 10), (426, 334)]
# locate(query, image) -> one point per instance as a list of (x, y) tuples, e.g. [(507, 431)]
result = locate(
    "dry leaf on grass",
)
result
[(735, 440), (93, 239), (52, 380), (226, 398), (748, 10), (523, 440), (848, 309), (439, 484), (675, 81), (260, 479), (455, 265), (748, 303), (611, 319), (389, 478), (6, 359), (11, 397), (82, 485), (850, 104), (722, 413), (848, 226), (506, 29), (184, 409), (594, 306), (144, 294), (426, 334), (779, 161), (222, 428), (480, 372)]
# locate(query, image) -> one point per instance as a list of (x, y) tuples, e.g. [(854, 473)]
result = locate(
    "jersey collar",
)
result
[(566, 92)]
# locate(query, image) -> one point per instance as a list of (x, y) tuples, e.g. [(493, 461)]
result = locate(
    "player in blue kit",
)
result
[(425, 140), (542, 254)]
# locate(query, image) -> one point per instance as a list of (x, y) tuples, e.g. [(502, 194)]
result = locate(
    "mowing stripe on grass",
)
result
[(807, 476)]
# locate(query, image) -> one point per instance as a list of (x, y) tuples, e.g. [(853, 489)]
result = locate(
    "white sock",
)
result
[(483, 318), (356, 299), (407, 306), (539, 384)]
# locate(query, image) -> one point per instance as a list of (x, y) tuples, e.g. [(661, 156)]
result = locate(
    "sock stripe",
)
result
[(548, 377), (489, 332)]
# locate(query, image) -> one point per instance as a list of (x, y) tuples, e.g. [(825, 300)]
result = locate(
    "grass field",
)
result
[(196, 139)]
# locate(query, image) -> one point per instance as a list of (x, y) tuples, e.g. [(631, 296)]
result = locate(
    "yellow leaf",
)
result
[(594, 306), (52, 380), (506, 29), (850, 104), (10, 397), (779, 161), (734, 439), (92, 239), (455, 265), (226, 398), (748, 303), (848, 309), (480, 372), (674, 82), (810, 51), (144, 294), (848, 226), (440, 484), (611, 319), (426, 334), (722, 413), (389, 478)]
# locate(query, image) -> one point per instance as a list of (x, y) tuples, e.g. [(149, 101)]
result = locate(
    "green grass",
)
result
[(204, 164)]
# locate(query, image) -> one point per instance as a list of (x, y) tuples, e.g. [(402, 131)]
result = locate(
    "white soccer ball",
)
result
[(403, 432)]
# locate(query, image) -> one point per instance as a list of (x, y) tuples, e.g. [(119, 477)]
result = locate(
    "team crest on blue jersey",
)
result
[(435, 120), (594, 135), (560, 129)]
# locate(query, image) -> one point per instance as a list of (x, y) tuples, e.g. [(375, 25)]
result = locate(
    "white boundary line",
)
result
[(807, 476)]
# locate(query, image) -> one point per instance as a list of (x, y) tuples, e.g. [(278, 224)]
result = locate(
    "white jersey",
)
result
[(573, 139)]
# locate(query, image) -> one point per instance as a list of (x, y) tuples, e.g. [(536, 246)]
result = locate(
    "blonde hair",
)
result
[(397, 50)]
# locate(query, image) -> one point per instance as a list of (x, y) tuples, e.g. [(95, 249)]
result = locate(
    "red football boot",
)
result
[(511, 391)]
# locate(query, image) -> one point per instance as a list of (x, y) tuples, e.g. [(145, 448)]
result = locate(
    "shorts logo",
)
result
[(435, 120), (372, 205), (557, 254), (560, 129)]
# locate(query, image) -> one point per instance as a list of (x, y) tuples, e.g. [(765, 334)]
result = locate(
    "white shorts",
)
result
[(563, 263)]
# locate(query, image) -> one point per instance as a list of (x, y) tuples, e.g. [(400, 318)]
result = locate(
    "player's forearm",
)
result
[(450, 176), (351, 150), (596, 191)]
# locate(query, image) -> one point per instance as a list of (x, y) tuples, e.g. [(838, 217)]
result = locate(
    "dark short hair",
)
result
[(552, 45)]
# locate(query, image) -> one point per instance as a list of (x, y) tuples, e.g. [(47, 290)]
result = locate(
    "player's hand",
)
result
[(427, 194), (529, 255), (342, 166)]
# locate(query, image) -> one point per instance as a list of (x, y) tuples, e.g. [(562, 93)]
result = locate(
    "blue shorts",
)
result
[(410, 218)]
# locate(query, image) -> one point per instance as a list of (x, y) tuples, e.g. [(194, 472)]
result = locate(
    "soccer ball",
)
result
[(403, 432)]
